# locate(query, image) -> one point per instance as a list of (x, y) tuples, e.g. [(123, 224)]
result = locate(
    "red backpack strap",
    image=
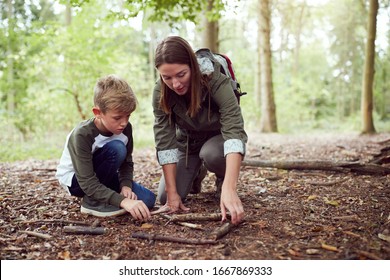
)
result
[(230, 66)]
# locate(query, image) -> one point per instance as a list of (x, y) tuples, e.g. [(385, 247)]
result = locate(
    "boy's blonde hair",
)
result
[(114, 93)]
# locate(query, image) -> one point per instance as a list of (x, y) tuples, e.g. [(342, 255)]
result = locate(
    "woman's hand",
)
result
[(127, 192), (229, 196), (136, 208), (231, 202), (174, 203)]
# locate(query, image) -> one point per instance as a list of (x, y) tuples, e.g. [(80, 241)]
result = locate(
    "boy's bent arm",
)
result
[(80, 151), (137, 208), (126, 170)]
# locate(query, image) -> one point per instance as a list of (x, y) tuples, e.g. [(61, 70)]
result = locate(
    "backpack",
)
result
[(226, 68)]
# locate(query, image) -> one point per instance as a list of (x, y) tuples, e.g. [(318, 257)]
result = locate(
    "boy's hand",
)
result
[(136, 208), (127, 192)]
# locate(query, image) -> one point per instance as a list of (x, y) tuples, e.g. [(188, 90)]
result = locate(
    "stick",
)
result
[(185, 224), (37, 234), (24, 205), (95, 223), (367, 168), (166, 216), (194, 226), (194, 241), (6, 236), (349, 218), (55, 221), (195, 217), (44, 169), (84, 230), (221, 231), (369, 255), (160, 210), (330, 183)]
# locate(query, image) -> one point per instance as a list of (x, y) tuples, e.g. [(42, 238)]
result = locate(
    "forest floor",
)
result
[(290, 214)]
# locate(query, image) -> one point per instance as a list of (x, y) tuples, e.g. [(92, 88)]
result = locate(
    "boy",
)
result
[(97, 163)]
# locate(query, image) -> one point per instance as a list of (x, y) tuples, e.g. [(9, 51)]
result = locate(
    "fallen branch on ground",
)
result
[(84, 230), (321, 183), (367, 168), (194, 217), (176, 239), (37, 234), (368, 255), (162, 209), (55, 221), (190, 225), (185, 224), (222, 231), (348, 218)]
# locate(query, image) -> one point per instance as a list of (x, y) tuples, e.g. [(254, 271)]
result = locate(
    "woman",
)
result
[(198, 124)]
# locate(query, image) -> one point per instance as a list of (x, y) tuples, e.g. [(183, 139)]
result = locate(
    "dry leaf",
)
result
[(261, 224), (294, 253), (65, 255), (311, 197), (384, 237), (312, 251), (331, 202), (146, 226), (352, 233), (329, 247)]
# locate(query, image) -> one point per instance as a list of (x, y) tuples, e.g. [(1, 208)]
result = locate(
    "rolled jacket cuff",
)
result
[(233, 146), (168, 156)]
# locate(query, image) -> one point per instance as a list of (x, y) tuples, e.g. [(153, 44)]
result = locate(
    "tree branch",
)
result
[(37, 234), (84, 230), (222, 231), (367, 168), (194, 217), (194, 241)]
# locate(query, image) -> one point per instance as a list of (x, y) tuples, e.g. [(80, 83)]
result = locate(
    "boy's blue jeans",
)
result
[(106, 162)]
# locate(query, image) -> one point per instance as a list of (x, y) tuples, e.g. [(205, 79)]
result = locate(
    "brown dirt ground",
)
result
[(290, 214)]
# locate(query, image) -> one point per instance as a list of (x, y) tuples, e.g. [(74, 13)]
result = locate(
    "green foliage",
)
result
[(174, 11), (23, 38), (74, 3), (56, 66)]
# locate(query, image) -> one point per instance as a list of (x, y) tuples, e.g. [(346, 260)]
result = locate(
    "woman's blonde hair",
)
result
[(176, 50), (114, 93)]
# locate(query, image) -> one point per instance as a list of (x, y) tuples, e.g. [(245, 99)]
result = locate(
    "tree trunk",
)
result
[(152, 47), (68, 14), (297, 36), (368, 76), (210, 30), (257, 78), (384, 89), (10, 60), (268, 114)]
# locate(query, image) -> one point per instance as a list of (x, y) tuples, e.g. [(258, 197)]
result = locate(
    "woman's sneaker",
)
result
[(98, 209)]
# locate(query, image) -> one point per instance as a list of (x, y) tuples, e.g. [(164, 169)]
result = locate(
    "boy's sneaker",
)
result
[(98, 209), (197, 184)]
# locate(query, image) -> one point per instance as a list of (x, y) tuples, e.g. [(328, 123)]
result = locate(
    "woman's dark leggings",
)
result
[(212, 156)]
